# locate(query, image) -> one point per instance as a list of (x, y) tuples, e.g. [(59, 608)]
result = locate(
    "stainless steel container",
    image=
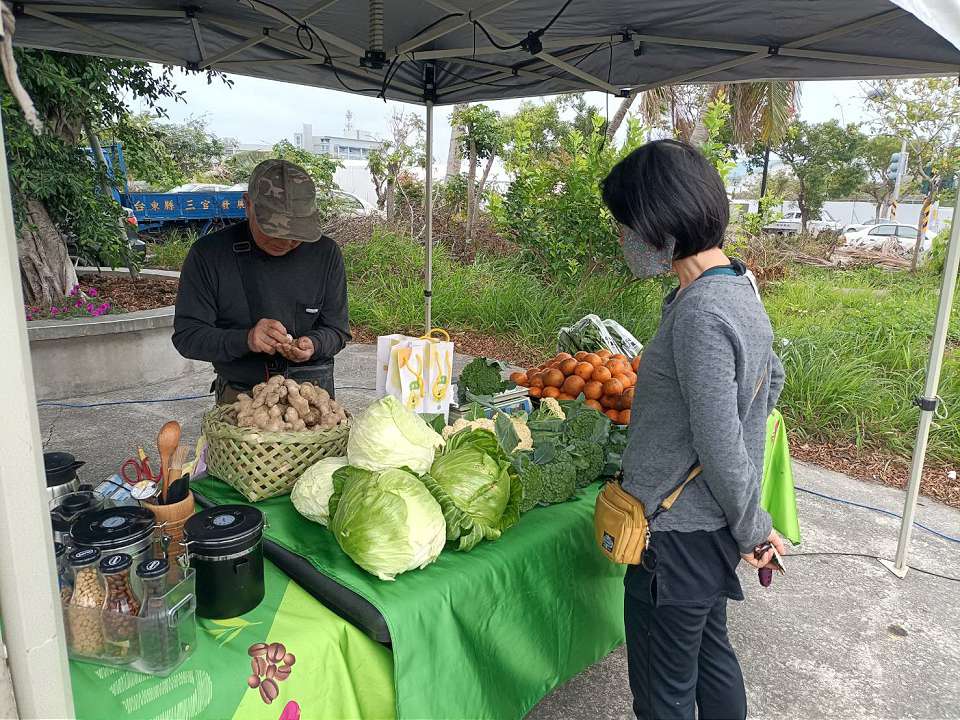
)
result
[(116, 530), (60, 469)]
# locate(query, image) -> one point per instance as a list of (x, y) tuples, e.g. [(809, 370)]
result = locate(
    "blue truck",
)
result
[(158, 211)]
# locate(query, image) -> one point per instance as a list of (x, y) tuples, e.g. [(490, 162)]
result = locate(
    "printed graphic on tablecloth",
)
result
[(270, 664)]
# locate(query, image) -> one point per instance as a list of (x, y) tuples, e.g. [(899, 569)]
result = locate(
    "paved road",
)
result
[(837, 638)]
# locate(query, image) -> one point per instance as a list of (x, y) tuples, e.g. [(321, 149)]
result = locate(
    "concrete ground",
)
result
[(837, 637)]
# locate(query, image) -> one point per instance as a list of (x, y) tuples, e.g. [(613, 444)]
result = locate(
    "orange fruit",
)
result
[(609, 402), (581, 356), (635, 363), (613, 387), (550, 392), (534, 391), (565, 396), (618, 356), (613, 415), (624, 379), (628, 396), (595, 405), (568, 366), (563, 356), (633, 377), (531, 370), (601, 374), (593, 390), (519, 378), (617, 366), (553, 378), (593, 359), (624, 417), (604, 353), (584, 370), (573, 385), (536, 380)]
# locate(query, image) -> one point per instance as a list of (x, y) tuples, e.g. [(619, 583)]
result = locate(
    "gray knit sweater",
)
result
[(695, 402)]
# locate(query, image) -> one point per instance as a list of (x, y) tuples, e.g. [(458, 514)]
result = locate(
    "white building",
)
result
[(357, 146)]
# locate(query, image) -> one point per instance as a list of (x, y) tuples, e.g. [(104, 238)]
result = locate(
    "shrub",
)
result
[(170, 252)]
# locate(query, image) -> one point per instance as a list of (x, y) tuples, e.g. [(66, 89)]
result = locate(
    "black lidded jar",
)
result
[(225, 545), (116, 530)]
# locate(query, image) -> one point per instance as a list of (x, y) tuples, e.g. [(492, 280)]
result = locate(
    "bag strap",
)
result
[(670, 499)]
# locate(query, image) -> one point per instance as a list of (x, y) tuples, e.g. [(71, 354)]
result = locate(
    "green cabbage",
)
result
[(477, 487), (387, 522), (311, 493), (387, 435)]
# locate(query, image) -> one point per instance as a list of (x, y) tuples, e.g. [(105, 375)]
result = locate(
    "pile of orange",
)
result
[(604, 380)]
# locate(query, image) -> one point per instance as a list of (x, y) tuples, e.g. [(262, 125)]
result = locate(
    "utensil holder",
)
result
[(170, 521)]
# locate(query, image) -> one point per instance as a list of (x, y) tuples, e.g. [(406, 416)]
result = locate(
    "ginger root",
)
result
[(284, 405)]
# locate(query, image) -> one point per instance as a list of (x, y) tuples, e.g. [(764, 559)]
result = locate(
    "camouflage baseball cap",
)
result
[(284, 201)]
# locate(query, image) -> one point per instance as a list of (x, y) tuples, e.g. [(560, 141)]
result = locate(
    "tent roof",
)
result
[(607, 45)]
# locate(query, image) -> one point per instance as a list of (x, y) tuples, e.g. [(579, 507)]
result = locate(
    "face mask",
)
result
[(644, 260)]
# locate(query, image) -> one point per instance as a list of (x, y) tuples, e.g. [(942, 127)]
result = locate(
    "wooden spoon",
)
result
[(167, 441)]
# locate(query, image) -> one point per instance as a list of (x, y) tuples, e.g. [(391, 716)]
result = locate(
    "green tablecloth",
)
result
[(479, 634), (339, 671), (483, 634)]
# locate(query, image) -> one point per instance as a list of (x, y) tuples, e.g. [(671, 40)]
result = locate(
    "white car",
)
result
[(350, 204), (875, 236), (789, 224)]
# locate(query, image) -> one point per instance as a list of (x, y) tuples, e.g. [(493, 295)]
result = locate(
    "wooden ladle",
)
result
[(167, 441)]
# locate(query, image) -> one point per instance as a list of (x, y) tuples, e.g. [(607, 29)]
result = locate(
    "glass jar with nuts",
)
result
[(121, 607), (85, 634)]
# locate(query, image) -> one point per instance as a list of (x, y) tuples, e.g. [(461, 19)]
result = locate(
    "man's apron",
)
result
[(320, 374)]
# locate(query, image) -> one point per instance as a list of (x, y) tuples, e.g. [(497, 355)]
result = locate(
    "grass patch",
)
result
[(171, 251), (854, 343)]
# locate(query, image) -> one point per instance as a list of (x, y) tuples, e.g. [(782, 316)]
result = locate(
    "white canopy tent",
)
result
[(431, 52)]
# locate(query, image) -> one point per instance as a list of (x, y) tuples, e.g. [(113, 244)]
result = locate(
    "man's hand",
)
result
[(266, 336), (764, 561), (298, 351)]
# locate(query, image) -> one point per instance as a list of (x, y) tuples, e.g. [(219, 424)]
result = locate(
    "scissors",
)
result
[(144, 482)]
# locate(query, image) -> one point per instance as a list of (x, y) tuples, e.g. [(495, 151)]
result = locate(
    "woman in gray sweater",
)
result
[(707, 383)]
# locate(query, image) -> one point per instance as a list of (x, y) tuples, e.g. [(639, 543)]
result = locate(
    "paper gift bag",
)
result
[(385, 343), (418, 372)]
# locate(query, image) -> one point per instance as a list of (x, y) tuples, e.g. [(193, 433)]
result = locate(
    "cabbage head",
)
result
[(311, 493), (387, 435), (387, 522), (477, 487)]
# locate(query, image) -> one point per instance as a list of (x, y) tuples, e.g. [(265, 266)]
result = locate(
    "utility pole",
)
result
[(766, 169)]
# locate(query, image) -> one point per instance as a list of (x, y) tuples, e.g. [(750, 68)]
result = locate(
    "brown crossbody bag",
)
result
[(620, 521)]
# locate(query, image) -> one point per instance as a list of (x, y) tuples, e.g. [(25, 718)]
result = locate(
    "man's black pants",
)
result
[(679, 657)]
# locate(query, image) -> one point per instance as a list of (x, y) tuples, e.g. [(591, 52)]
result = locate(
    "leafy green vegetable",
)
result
[(387, 435), (311, 493), (548, 475), (616, 444), (387, 522), (483, 377), (477, 488), (585, 423), (588, 457)]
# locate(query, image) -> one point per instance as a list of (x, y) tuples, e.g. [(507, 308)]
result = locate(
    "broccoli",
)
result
[(589, 459), (482, 376), (545, 483)]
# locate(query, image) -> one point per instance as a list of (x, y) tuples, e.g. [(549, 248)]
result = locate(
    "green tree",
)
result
[(404, 148), (481, 138), (824, 159), (57, 191)]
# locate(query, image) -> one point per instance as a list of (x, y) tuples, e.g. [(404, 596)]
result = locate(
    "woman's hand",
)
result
[(764, 560)]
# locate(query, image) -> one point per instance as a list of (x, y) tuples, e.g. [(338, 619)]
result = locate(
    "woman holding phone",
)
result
[(706, 384)]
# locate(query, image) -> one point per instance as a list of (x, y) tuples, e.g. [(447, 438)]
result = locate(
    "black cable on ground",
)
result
[(869, 557)]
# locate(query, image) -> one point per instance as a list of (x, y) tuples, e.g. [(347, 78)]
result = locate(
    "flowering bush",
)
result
[(80, 302)]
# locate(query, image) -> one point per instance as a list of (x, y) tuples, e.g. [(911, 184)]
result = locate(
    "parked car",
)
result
[(789, 224), (852, 227), (350, 204), (875, 236)]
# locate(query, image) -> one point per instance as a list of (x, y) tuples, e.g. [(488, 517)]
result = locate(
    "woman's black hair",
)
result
[(669, 189)]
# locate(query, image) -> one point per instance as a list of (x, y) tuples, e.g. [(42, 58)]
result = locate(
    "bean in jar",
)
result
[(85, 634), (121, 608), (64, 577)]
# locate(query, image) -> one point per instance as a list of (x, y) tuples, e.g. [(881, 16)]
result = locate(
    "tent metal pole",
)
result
[(29, 596), (428, 231), (929, 401)]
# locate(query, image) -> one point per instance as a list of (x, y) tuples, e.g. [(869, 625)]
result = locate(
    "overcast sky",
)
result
[(265, 111)]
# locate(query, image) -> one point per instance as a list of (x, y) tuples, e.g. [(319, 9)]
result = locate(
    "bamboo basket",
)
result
[(261, 465)]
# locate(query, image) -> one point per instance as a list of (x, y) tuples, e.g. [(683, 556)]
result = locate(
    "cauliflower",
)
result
[(552, 407), (519, 427)]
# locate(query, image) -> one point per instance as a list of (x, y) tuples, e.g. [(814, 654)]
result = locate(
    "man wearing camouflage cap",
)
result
[(267, 296)]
